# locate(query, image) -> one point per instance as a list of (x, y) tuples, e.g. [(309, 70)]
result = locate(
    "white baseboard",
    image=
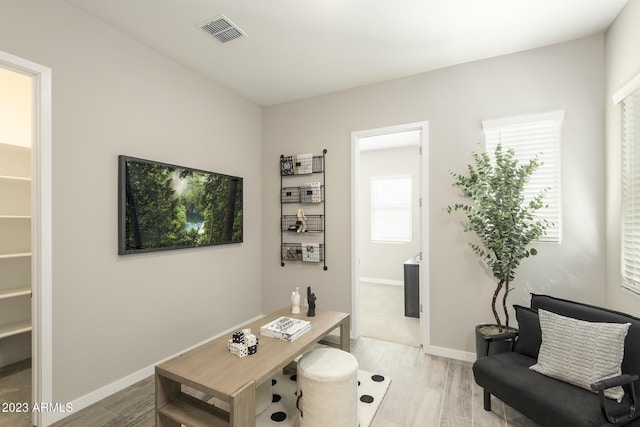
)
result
[(15, 356), (382, 281), (116, 386), (450, 353)]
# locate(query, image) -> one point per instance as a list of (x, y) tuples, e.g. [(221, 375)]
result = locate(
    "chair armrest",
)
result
[(614, 416), (623, 379), (508, 336)]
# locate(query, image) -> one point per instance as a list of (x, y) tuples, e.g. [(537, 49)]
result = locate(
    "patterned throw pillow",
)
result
[(581, 353)]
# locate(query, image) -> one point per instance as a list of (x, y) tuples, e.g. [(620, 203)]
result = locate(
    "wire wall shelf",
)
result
[(302, 194), (312, 224), (306, 252), (297, 197)]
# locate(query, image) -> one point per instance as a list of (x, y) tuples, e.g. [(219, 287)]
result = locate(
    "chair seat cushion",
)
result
[(546, 400)]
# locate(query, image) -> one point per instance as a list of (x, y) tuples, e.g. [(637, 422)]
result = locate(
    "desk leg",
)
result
[(166, 391), (242, 411), (345, 334)]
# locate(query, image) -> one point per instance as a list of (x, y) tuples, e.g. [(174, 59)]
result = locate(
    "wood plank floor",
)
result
[(429, 390), (425, 391)]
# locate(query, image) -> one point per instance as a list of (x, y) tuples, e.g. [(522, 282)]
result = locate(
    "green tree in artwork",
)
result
[(223, 214), (212, 227), (230, 209), (156, 222), (172, 206)]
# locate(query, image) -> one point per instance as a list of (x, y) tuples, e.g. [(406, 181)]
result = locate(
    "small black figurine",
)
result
[(311, 299)]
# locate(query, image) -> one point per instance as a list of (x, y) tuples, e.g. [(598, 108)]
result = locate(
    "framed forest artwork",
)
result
[(163, 207)]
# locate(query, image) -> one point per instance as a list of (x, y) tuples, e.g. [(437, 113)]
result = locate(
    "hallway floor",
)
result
[(382, 315)]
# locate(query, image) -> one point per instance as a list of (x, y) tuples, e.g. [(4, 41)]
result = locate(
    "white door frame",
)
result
[(424, 224), (41, 247)]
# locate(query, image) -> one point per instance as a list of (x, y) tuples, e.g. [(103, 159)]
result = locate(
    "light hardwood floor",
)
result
[(429, 390), (425, 391)]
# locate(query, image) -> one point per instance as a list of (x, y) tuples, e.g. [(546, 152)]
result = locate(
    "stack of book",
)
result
[(285, 328)]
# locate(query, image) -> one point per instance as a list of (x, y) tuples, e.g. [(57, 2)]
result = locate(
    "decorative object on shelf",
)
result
[(295, 301), (312, 223), (311, 300), (286, 165), (308, 223), (311, 252), (238, 337), (285, 328), (291, 253), (310, 193), (301, 223), (243, 343), (303, 164)]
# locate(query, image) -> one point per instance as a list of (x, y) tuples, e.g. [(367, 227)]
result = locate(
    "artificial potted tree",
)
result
[(504, 222)]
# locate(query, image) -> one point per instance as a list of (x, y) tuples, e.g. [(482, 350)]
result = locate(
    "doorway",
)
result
[(16, 112), (389, 170), (29, 268)]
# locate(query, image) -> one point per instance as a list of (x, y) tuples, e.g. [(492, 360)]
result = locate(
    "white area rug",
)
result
[(283, 413)]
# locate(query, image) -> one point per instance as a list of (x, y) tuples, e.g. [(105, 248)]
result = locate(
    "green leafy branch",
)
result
[(499, 215)]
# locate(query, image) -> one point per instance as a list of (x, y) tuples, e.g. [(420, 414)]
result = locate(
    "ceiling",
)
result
[(295, 49)]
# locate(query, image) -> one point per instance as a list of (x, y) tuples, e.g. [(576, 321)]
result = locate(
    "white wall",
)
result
[(380, 260), (454, 101), (114, 315), (622, 64)]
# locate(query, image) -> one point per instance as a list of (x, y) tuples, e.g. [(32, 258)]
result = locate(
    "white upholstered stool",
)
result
[(328, 389)]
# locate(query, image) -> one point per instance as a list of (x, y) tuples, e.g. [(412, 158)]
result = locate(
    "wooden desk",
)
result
[(213, 370)]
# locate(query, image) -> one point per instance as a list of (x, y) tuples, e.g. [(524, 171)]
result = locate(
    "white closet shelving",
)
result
[(15, 240)]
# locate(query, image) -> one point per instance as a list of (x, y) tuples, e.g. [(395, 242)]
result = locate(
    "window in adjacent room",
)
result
[(391, 209), (630, 245), (534, 135)]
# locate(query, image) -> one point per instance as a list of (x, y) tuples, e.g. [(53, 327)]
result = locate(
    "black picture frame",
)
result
[(163, 207)]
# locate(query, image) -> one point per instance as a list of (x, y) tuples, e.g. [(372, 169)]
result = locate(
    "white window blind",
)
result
[(531, 135), (631, 191), (391, 209)]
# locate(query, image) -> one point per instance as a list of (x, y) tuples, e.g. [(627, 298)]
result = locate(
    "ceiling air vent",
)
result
[(222, 29)]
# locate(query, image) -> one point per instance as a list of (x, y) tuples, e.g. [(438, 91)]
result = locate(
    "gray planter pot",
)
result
[(500, 342)]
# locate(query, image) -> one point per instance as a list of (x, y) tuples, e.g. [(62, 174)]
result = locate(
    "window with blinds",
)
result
[(631, 191), (529, 136), (391, 209)]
